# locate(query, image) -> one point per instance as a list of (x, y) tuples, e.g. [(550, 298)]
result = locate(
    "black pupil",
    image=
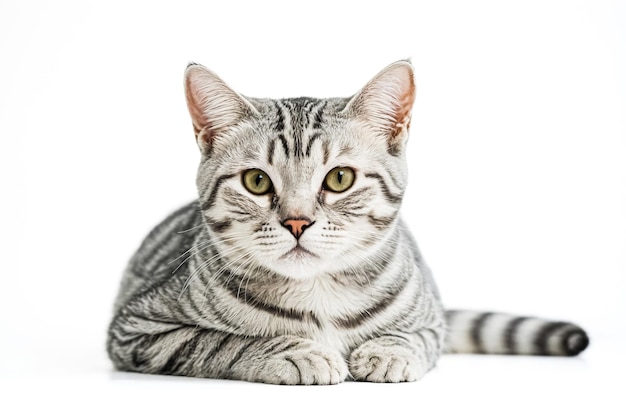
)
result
[(339, 176), (258, 179)]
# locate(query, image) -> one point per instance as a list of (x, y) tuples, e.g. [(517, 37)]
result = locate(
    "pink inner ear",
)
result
[(196, 111), (405, 101), (386, 101), (212, 105)]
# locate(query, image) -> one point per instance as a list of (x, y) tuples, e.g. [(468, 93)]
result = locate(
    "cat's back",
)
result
[(161, 253)]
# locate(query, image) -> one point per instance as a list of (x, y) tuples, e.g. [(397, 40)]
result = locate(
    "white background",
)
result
[(517, 189)]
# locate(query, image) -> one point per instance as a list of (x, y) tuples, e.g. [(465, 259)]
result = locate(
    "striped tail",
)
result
[(497, 333)]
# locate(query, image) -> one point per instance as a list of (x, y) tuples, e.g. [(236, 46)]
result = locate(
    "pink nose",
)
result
[(297, 226)]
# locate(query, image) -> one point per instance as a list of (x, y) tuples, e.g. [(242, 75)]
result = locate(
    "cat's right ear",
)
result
[(212, 104)]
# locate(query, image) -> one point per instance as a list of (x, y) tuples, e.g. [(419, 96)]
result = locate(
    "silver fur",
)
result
[(223, 289)]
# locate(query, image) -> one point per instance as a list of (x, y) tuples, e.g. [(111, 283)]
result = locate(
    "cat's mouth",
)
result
[(298, 252)]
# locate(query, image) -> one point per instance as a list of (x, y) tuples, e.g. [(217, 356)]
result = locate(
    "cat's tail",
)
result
[(497, 333)]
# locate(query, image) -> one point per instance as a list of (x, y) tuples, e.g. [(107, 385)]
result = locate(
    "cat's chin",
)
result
[(298, 263), (299, 254)]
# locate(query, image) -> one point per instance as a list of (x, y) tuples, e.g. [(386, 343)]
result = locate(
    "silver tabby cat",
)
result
[(293, 266)]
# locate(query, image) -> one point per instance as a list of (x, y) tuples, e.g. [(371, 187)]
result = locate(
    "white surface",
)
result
[(461, 385), (517, 193)]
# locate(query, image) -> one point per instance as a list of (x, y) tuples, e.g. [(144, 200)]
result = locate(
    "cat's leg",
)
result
[(174, 349), (398, 357)]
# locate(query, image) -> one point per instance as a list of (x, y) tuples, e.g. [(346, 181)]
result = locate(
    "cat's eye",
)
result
[(257, 181), (339, 179)]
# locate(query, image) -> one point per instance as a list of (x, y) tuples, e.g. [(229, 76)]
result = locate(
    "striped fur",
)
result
[(223, 289), (497, 333)]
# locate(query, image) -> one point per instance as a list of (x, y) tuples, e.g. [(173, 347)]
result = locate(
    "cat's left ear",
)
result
[(212, 104), (385, 103)]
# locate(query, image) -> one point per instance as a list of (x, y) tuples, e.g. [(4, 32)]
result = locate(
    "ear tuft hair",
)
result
[(386, 101), (212, 104)]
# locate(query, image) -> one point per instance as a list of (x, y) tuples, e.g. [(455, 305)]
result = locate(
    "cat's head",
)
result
[(301, 186)]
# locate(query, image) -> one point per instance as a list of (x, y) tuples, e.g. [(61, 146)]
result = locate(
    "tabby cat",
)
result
[(293, 266)]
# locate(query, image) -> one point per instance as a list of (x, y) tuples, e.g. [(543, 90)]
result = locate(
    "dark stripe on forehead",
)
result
[(291, 126), (317, 124), (297, 116), (279, 126), (283, 141), (297, 139), (300, 104), (315, 136), (319, 120), (302, 112), (325, 146), (312, 112), (270, 152), (307, 111)]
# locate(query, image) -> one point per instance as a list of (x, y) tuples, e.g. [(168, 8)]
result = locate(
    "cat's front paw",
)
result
[(308, 363), (383, 362)]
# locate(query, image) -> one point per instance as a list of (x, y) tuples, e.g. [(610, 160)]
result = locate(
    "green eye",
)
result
[(339, 179), (257, 181)]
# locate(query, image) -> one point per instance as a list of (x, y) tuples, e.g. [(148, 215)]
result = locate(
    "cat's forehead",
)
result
[(293, 115), (299, 132)]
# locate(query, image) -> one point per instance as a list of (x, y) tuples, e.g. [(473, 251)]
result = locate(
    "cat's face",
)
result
[(301, 186)]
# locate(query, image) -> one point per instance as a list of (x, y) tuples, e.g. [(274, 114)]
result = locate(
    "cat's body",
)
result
[(293, 266)]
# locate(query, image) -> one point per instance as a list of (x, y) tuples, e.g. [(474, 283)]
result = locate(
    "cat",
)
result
[(293, 265)]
